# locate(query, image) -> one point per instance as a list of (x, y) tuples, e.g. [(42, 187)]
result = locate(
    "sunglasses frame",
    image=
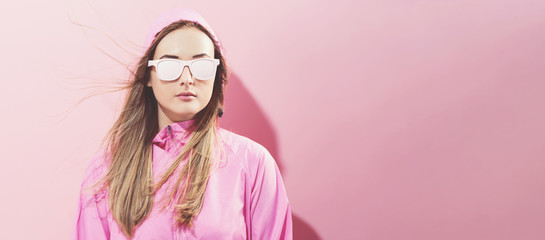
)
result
[(184, 63)]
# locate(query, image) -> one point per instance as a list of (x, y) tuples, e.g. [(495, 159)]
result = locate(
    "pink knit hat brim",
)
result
[(174, 15)]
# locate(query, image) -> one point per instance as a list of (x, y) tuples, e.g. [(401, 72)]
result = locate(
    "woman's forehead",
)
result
[(185, 43)]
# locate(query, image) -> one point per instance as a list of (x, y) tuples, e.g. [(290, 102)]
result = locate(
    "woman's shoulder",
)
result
[(240, 144), (96, 168), (252, 155)]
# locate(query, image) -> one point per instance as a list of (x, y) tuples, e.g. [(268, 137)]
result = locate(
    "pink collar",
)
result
[(177, 132)]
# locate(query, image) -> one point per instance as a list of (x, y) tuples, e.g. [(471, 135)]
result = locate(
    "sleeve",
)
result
[(91, 220), (269, 206)]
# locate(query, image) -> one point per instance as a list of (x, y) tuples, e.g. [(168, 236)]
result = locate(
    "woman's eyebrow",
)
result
[(200, 55), (169, 56), (176, 57)]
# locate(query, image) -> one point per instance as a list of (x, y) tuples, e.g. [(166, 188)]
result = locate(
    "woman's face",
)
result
[(181, 99)]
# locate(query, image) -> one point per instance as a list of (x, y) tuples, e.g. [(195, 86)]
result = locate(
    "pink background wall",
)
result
[(389, 119)]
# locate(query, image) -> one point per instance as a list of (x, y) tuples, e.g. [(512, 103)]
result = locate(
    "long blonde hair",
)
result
[(129, 144)]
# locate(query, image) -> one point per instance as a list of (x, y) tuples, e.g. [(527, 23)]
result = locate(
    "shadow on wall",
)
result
[(243, 116)]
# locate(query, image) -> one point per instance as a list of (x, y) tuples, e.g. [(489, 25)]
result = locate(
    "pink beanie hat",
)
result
[(175, 15)]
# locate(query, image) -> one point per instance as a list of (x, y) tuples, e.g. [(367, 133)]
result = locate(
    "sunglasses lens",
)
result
[(169, 70), (203, 69)]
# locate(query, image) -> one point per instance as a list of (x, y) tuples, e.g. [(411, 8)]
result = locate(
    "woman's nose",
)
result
[(186, 76)]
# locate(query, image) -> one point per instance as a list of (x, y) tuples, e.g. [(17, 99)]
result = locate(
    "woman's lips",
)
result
[(186, 96)]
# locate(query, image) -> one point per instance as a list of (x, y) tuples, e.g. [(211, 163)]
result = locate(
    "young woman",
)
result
[(168, 171)]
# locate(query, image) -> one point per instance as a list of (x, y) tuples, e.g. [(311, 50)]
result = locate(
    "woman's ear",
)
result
[(149, 83)]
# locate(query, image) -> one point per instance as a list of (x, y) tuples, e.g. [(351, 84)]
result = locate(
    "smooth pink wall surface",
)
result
[(388, 119)]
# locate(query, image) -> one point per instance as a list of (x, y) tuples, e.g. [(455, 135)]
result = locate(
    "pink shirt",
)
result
[(245, 197)]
